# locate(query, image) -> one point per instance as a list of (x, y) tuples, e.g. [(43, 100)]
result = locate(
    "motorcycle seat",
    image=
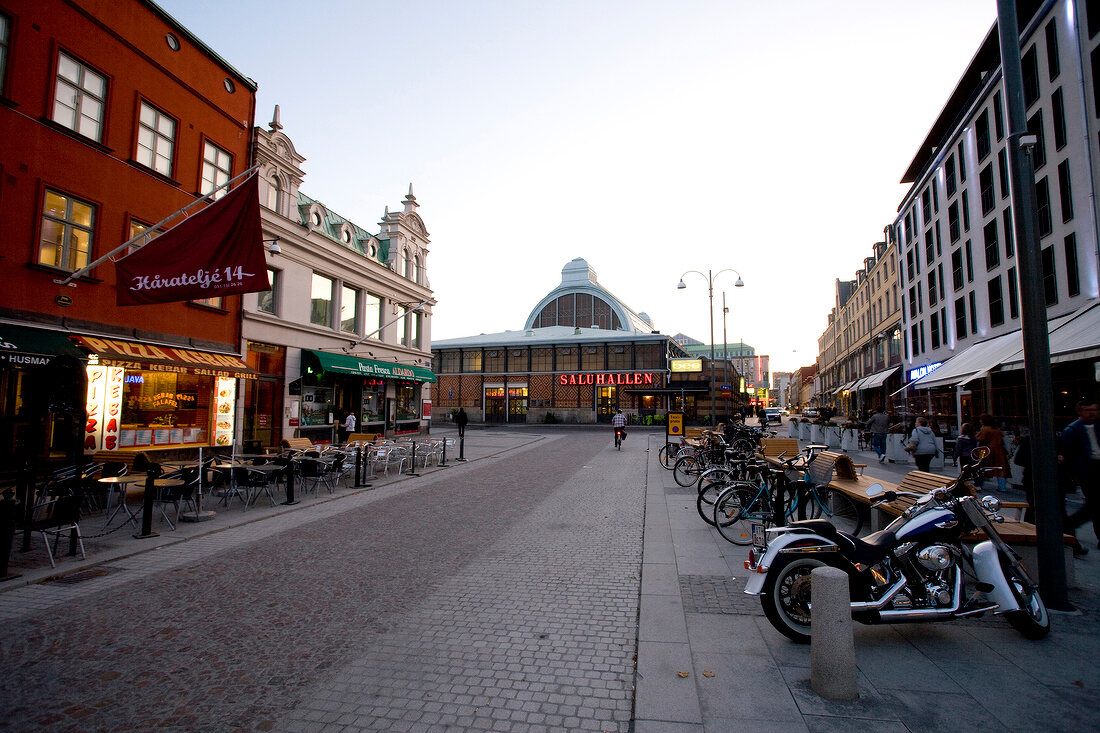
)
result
[(867, 550)]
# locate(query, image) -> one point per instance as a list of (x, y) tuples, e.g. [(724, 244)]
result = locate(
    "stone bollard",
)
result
[(832, 645)]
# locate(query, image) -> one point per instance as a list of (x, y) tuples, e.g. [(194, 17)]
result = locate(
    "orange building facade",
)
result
[(112, 118)]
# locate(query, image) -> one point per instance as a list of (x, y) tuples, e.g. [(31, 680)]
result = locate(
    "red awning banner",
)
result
[(134, 355), (218, 251)]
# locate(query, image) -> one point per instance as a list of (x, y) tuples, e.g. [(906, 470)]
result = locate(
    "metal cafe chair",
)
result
[(56, 512)]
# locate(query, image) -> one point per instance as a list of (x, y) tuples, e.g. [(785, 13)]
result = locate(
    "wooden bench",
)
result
[(297, 444), (776, 447), (130, 460), (363, 437)]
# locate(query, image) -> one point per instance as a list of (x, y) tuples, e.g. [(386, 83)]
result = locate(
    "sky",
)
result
[(650, 137)]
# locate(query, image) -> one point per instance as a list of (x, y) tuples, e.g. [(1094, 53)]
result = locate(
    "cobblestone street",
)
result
[(498, 594)]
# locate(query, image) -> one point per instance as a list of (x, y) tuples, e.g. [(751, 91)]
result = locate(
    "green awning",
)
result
[(26, 346), (345, 364)]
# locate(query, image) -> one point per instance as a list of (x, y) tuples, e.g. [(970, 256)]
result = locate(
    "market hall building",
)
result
[(581, 356)]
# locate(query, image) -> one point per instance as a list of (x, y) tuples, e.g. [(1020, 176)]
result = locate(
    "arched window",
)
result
[(418, 271), (274, 193), (406, 264)]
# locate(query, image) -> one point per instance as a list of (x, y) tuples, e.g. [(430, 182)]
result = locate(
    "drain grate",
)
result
[(717, 594), (81, 576)]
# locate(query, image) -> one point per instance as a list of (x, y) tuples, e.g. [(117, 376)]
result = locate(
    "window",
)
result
[(267, 300), (1042, 207), (372, 314), (1073, 274), (542, 360), (417, 271), (962, 164), (960, 318), (982, 135), (1039, 152), (274, 193), (929, 247), (1013, 294), (1065, 191), (414, 329), (66, 232), (5, 42), (471, 360), (349, 309), (934, 331), (1010, 235), (1002, 165), (926, 205), (949, 175), (966, 210), (214, 302), (969, 262), (953, 230), (992, 247), (156, 138), (973, 312), (957, 270), (1058, 113), (1050, 276), (998, 117), (217, 166), (320, 304), (988, 189), (996, 302), (403, 325), (1029, 66), (1054, 66), (137, 229), (78, 100), (406, 263)]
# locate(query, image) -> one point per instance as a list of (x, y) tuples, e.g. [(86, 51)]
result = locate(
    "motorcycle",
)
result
[(916, 569)]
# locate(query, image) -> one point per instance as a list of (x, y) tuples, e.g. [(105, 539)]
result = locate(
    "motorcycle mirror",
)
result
[(875, 490)]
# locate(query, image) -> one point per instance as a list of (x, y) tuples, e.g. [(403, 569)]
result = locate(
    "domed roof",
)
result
[(562, 306)]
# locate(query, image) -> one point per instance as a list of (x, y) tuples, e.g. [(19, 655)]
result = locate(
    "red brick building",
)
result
[(112, 117)]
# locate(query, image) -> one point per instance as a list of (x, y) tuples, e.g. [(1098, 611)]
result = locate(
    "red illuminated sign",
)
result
[(625, 379)]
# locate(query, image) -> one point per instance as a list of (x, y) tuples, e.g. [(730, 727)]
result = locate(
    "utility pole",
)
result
[(1033, 318)]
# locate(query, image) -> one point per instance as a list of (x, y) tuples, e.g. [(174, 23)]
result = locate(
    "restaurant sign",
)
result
[(165, 358), (686, 365)]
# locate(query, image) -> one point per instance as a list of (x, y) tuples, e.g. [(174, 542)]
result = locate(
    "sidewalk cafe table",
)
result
[(117, 485)]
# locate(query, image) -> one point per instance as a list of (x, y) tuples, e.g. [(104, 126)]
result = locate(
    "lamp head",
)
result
[(740, 283), (681, 285)]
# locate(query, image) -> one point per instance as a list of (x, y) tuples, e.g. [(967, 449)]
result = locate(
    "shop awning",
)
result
[(134, 355), (26, 346), (345, 364), (1078, 337), (877, 379), (666, 390), (847, 386)]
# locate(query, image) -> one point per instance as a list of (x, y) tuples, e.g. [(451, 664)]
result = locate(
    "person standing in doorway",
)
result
[(1079, 450), (461, 418), (878, 426)]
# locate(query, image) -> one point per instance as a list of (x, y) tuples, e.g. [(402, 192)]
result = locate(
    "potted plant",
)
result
[(849, 436), (895, 444), (817, 431), (804, 429), (832, 435), (792, 427)]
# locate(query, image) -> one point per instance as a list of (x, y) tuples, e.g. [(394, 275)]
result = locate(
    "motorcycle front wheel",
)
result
[(786, 601), (1032, 620)]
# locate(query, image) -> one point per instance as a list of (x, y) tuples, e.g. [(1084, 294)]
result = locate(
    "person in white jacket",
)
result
[(924, 444)]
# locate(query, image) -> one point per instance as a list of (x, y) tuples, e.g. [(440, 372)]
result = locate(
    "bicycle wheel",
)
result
[(838, 508), (732, 513), (663, 456), (687, 470), (711, 483)]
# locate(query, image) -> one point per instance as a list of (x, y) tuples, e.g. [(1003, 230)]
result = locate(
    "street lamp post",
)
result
[(710, 294)]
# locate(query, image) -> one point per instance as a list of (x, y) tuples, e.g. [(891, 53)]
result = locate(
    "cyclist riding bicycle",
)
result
[(619, 424)]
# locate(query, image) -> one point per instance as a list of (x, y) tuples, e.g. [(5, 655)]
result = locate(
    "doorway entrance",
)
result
[(495, 404), (607, 401)]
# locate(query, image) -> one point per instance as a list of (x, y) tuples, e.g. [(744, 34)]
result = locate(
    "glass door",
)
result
[(494, 404), (607, 401), (517, 404)]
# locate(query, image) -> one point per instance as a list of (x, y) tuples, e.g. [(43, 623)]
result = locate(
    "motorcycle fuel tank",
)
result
[(923, 525)]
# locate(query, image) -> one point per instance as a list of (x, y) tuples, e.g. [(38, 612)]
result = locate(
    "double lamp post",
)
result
[(710, 294)]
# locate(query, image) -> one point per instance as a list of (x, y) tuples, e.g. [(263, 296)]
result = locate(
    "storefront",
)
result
[(263, 397), (142, 396), (41, 395), (386, 397)]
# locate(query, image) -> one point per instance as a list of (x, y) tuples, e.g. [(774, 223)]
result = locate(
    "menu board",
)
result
[(225, 398), (162, 436), (143, 436), (126, 438)]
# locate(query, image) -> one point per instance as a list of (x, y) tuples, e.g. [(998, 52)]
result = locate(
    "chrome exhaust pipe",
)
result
[(876, 605), (913, 615)]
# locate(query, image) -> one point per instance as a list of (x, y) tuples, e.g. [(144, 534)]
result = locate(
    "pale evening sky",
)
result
[(648, 137)]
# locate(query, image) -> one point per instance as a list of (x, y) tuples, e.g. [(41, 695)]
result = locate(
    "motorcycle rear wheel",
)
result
[(1032, 620), (787, 600)]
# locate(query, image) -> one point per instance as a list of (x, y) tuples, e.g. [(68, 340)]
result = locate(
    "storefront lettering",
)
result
[(631, 379)]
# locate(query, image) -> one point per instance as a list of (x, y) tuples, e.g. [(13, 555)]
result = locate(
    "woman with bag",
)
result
[(922, 444), (991, 436)]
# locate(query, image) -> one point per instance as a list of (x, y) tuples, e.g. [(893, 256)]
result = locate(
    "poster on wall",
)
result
[(225, 397)]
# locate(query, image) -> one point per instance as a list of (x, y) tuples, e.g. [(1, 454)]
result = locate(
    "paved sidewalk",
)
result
[(708, 660)]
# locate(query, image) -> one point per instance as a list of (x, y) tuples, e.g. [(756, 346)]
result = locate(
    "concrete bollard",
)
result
[(832, 644)]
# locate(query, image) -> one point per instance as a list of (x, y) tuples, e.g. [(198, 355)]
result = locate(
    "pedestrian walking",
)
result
[(923, 444), (1079, 450), (461, 418), (878, 426), (349, 425), (991, 436), (965, 444)]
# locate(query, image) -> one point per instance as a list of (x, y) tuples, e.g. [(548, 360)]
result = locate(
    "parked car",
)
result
[(810, 412), (773, 414)]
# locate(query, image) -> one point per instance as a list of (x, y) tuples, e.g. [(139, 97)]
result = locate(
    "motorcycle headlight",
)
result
[(991, 504)]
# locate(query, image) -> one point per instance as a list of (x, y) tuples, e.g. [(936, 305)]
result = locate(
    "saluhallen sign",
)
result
[(624, 379)]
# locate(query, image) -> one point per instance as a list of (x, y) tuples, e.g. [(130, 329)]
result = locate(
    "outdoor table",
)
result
[(117, 485)]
